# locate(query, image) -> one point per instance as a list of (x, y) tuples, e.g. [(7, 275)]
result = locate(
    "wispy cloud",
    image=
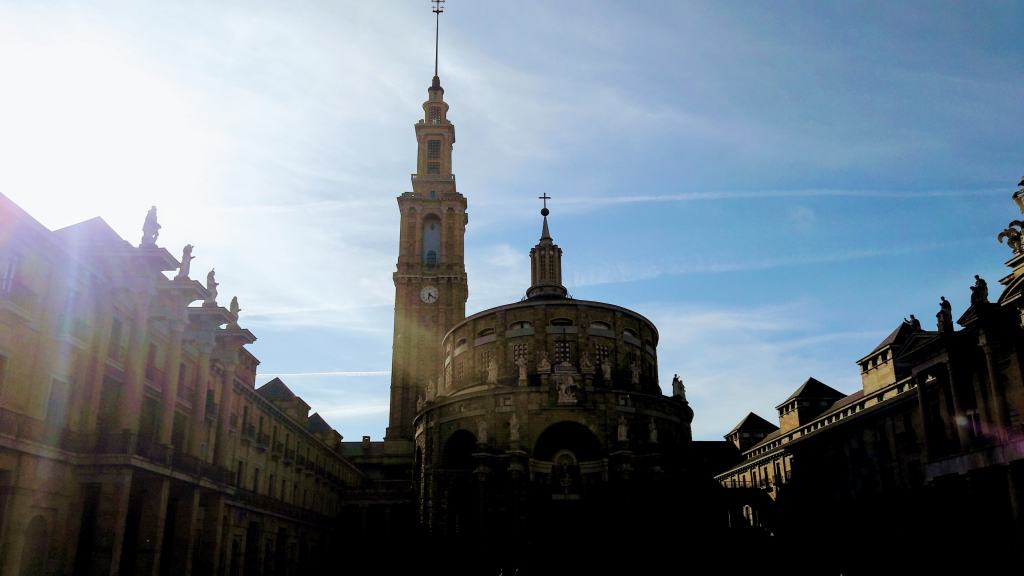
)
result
[(773, 194), (634, 273)]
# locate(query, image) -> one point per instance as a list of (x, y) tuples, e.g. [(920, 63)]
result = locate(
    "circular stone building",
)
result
[(546, 420)]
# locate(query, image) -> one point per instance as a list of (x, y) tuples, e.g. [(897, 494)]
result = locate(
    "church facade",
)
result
[(534, 419)]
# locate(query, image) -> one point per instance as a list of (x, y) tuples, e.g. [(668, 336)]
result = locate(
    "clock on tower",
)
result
[(430, 281)]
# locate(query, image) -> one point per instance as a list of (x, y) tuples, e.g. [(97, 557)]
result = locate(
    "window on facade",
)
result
[(561, 322), (600, 326), (434, 150), (520, 351), (116, 330), (431, 241), (563, 351), (8, 270), (433, 167), (57, 406), (460, 370), (271, 486), (435, 114), (240, 473), (601, 353), (483, 360), (485, 332), (256, 480)]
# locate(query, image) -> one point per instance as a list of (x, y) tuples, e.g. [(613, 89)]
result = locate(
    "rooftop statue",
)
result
[(186, 262), (211, 289), (150, 229)]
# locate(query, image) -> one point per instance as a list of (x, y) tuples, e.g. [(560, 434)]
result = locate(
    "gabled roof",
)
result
[(91, 232), (898, 336), (275, 390), (318, 424), (813, 389), (753, 422)]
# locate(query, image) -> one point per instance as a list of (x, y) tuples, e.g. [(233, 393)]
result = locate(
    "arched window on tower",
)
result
[(431, 241)]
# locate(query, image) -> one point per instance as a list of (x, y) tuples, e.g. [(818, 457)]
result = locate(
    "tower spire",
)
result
[(438, 9), (546, 263)]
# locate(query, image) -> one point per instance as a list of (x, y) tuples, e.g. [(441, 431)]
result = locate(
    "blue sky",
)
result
[(776, 185)]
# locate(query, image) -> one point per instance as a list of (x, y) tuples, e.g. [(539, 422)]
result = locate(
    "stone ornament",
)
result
[(544, 365), (622, 433), (521, 364), (186, 262), (652, 431), (481, 431), (634, 371), (150, 229), (678, 390), (945, 315), (234, 309), (979, 292), (566, 389), (513, 428), (606, 371), (211, 288), (1013, 235), (492, 371)]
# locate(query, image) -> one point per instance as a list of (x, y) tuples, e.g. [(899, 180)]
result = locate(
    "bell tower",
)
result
[(430, 281)]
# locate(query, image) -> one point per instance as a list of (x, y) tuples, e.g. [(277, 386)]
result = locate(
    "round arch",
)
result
[(458, 450), (567, 437)]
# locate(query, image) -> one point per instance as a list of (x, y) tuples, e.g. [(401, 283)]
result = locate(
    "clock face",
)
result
[(429, 294)]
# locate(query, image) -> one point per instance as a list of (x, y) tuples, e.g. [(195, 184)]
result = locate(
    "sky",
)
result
[(775, 185)]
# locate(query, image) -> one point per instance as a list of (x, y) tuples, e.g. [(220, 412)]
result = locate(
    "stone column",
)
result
[(958, 414), (997, 402), (111, 515), (922, 408), (197, 438), (212, 543), (130, 406), (98, 360), (222, 452), (184, 527), (172, 371), (151, 525)]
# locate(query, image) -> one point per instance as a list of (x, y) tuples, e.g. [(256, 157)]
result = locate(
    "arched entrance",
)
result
[(455, 486), (566, 488)]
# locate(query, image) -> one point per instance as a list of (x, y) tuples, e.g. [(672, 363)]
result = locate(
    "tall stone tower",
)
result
[(430, 283)]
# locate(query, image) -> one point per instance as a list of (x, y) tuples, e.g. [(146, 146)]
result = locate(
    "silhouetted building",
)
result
[(932, 446)]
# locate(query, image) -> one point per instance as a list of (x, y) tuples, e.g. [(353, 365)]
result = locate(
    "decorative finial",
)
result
[(545, 234), (438, 9), (150, 229)]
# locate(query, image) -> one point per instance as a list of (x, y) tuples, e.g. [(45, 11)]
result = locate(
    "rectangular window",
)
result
[(240, 473), (483, 360), (434, 150), (601, 352), (8, 270), (433, 167), (520, 351), (57, 406), (270, 486), (116, 331), (435, 115), (256, 480), (563, 351)]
